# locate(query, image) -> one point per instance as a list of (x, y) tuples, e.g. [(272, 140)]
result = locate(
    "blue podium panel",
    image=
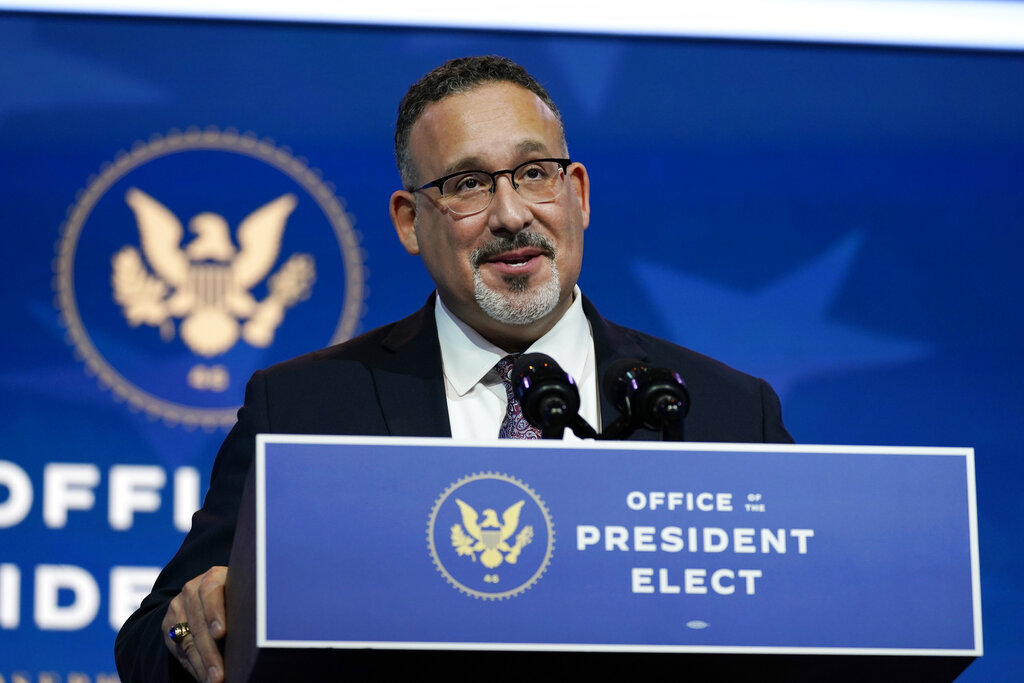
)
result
[(608, 546)]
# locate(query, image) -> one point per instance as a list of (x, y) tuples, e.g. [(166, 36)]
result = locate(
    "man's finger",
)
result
[(187, 665), (175, 616), (204, 653), (189, 656), (176, 645), (199, 604), (201, 648), (211, 592)]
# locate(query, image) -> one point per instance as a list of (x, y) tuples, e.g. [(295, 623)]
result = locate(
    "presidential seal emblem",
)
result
[(198, 257), (490, 536)]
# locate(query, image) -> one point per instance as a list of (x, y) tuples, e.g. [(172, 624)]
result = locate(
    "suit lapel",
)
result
[(410, 380), (611, 343)]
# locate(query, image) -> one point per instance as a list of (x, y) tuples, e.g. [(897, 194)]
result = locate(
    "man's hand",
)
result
[(200, 604)]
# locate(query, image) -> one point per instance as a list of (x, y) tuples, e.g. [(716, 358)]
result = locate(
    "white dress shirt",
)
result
[(475, 392)]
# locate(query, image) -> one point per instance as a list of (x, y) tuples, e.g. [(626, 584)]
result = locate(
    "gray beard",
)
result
[(516, 304)]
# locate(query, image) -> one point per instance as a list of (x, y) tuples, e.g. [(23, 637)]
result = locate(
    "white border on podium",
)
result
[(261, 603)]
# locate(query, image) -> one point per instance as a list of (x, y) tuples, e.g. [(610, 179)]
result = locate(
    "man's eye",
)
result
[(533, 173), (468, 184)]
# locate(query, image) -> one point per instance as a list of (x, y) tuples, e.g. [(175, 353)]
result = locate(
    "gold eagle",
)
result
[(206, 283), (490, 537)]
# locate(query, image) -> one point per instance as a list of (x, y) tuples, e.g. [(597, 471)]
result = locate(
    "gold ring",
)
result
[(179, 631)]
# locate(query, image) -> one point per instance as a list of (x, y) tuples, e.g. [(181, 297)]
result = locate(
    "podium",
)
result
[(360, 557)]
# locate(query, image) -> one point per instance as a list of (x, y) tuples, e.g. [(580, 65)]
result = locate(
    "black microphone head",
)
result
[(541, 385), (532, 364), (658, 389), (639, 391), (621, 382)]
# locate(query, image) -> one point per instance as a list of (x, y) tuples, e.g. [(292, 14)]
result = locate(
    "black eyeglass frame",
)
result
[(439, 183)]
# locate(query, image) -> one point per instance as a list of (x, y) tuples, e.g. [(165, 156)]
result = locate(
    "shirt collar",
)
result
[(467, 357)]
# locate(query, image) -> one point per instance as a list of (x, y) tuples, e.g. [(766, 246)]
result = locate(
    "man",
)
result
[(497, 211)]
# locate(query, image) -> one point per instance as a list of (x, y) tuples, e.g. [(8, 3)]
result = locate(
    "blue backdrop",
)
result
[(842, 221)]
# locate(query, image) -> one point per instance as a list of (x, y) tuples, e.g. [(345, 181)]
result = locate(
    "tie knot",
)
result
[(504, 367)]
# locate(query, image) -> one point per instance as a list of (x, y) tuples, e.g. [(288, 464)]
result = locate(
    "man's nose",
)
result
[(509, 212)]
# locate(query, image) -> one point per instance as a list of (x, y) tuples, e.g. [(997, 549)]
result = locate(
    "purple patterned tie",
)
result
[(514, 426)]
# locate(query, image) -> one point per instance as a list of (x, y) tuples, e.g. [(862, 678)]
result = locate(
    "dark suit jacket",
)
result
[(389, 382)]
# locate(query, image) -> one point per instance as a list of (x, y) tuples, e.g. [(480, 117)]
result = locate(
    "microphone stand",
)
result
[(668, 414), (555, 416)]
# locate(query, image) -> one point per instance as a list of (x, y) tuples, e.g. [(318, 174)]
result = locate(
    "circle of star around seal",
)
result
[(490, 536)]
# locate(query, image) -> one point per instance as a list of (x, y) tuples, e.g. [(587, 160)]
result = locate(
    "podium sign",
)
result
[(599, 546)]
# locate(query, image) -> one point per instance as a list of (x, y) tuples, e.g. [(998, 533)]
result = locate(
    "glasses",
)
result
[(468, 192)]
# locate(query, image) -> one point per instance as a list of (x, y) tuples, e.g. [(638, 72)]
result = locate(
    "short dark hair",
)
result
[(453, 77)]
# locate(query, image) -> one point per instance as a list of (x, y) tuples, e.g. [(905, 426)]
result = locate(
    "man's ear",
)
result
[(403, 217), (580, 181)]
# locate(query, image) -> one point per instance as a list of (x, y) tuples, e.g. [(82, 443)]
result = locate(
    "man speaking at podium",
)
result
[(496, 208)]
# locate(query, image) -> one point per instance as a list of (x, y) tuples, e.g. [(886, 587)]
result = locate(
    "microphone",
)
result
[(549, 397), (654, 398)]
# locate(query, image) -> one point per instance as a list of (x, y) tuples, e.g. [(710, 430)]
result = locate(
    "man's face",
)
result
[(508, 271)]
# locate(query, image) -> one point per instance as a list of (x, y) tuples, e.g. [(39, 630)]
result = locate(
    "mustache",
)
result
[(520, 240)]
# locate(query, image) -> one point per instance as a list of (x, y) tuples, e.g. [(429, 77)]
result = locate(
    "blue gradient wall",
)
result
[(845, 222)]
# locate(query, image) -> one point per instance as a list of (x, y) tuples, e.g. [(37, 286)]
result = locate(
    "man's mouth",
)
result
[(516, 253), (517, 258)]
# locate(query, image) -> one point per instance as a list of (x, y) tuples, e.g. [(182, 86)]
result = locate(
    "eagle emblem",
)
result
[(206, 283), (490, 537)]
